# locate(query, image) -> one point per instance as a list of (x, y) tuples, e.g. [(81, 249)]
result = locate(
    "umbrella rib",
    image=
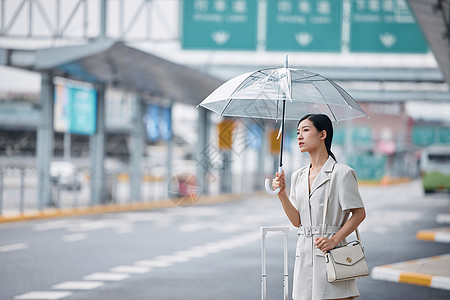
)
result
[(325, 101), (235, 91), (310, 76), (343, 96)]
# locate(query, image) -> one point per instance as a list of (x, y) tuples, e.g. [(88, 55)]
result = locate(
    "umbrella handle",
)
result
[(269, 189)]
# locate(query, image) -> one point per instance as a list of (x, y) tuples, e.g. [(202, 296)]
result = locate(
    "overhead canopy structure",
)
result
[(104, 63), (434, 19), (111, 62)]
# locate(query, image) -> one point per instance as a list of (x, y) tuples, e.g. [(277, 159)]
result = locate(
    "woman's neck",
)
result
[(318, 158)]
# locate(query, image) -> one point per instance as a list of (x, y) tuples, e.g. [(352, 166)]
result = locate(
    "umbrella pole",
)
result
[(282, 136), (280, 169)]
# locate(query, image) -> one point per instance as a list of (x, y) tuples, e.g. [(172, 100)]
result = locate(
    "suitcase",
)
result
[(264, 231)]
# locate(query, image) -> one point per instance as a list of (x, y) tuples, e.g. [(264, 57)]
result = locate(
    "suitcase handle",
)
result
[(264, 231)]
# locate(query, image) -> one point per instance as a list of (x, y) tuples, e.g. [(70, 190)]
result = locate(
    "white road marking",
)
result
[(13, 247), (191, 253), (74, 237), (173, 258), (124, 229), (77, 285), (51, 225), (106, 276), (44, 295), (153, 263), (131, 269)]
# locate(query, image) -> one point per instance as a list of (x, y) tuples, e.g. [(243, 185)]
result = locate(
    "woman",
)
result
[(304, 208)]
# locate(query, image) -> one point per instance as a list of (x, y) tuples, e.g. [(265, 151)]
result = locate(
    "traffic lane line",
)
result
[(46, 295), (441, 235), (77, 285), (74, 237), (438, 275), (13, 247)]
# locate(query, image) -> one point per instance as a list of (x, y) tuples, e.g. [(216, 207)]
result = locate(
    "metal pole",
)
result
[(44, 149), (67, 146), (22, 189), (1, 191), (263, 263), (30, 18), (103, 19), (3, 21), (286, 274), (169, 165), (75, 198), (136, 153), (203, 164), (97, 148)]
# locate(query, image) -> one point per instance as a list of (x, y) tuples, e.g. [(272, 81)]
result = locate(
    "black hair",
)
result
[(322, 122)]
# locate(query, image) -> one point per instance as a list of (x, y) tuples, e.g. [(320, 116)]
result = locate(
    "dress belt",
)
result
[(311, 230)]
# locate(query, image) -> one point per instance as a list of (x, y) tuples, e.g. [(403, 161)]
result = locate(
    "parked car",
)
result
[(65, 175), (435, 168)]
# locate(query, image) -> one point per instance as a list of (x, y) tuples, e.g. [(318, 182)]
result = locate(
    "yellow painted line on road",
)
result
[(117, 207)]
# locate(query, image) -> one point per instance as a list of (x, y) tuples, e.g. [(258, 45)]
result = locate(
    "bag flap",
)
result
[(348, 255)]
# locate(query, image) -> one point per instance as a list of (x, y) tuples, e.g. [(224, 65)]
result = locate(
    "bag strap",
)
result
[(325, 208)]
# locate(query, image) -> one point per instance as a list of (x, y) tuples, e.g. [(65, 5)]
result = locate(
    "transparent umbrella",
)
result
[(282, 94)]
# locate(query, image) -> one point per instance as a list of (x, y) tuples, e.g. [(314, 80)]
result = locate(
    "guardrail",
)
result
[(19, 189)]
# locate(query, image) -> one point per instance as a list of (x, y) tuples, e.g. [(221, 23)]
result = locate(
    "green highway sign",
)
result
[(219, 24), (304, 25), (384, 26)]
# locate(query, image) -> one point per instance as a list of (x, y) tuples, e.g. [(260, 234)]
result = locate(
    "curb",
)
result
[(397, 273), (441, 235), (386, 180), (112, 208)]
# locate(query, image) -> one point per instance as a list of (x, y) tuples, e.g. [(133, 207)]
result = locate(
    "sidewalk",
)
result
[(432, 272)]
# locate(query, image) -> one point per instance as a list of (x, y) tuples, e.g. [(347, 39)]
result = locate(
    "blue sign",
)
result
[(83, 110), (158, 123), (75, 109), (152, 123)]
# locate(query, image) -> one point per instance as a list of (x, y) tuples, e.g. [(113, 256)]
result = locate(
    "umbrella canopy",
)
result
[(282, 94), (260, 94)]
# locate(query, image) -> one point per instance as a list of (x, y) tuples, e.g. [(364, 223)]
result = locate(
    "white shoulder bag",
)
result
[(344, 262)]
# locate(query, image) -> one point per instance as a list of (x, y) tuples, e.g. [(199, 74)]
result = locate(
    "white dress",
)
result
[(310, 282)]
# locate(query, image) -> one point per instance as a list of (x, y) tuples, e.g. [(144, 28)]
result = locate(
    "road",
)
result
[(202, 251)]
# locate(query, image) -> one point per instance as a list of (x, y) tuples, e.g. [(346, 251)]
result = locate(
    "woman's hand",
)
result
[(278, 181), (325, 244)]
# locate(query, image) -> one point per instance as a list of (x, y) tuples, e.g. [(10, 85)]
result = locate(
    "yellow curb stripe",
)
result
[(112, 208), (426, 235), (415, 278)]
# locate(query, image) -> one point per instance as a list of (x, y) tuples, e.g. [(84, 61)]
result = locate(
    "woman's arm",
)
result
[(358, 215), (291, 212)]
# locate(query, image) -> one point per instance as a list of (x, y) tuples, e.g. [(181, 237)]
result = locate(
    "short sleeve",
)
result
[(293, 193), (349, 196)]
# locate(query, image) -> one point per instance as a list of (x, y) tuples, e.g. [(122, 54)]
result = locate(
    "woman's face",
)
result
[(309, 138)]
